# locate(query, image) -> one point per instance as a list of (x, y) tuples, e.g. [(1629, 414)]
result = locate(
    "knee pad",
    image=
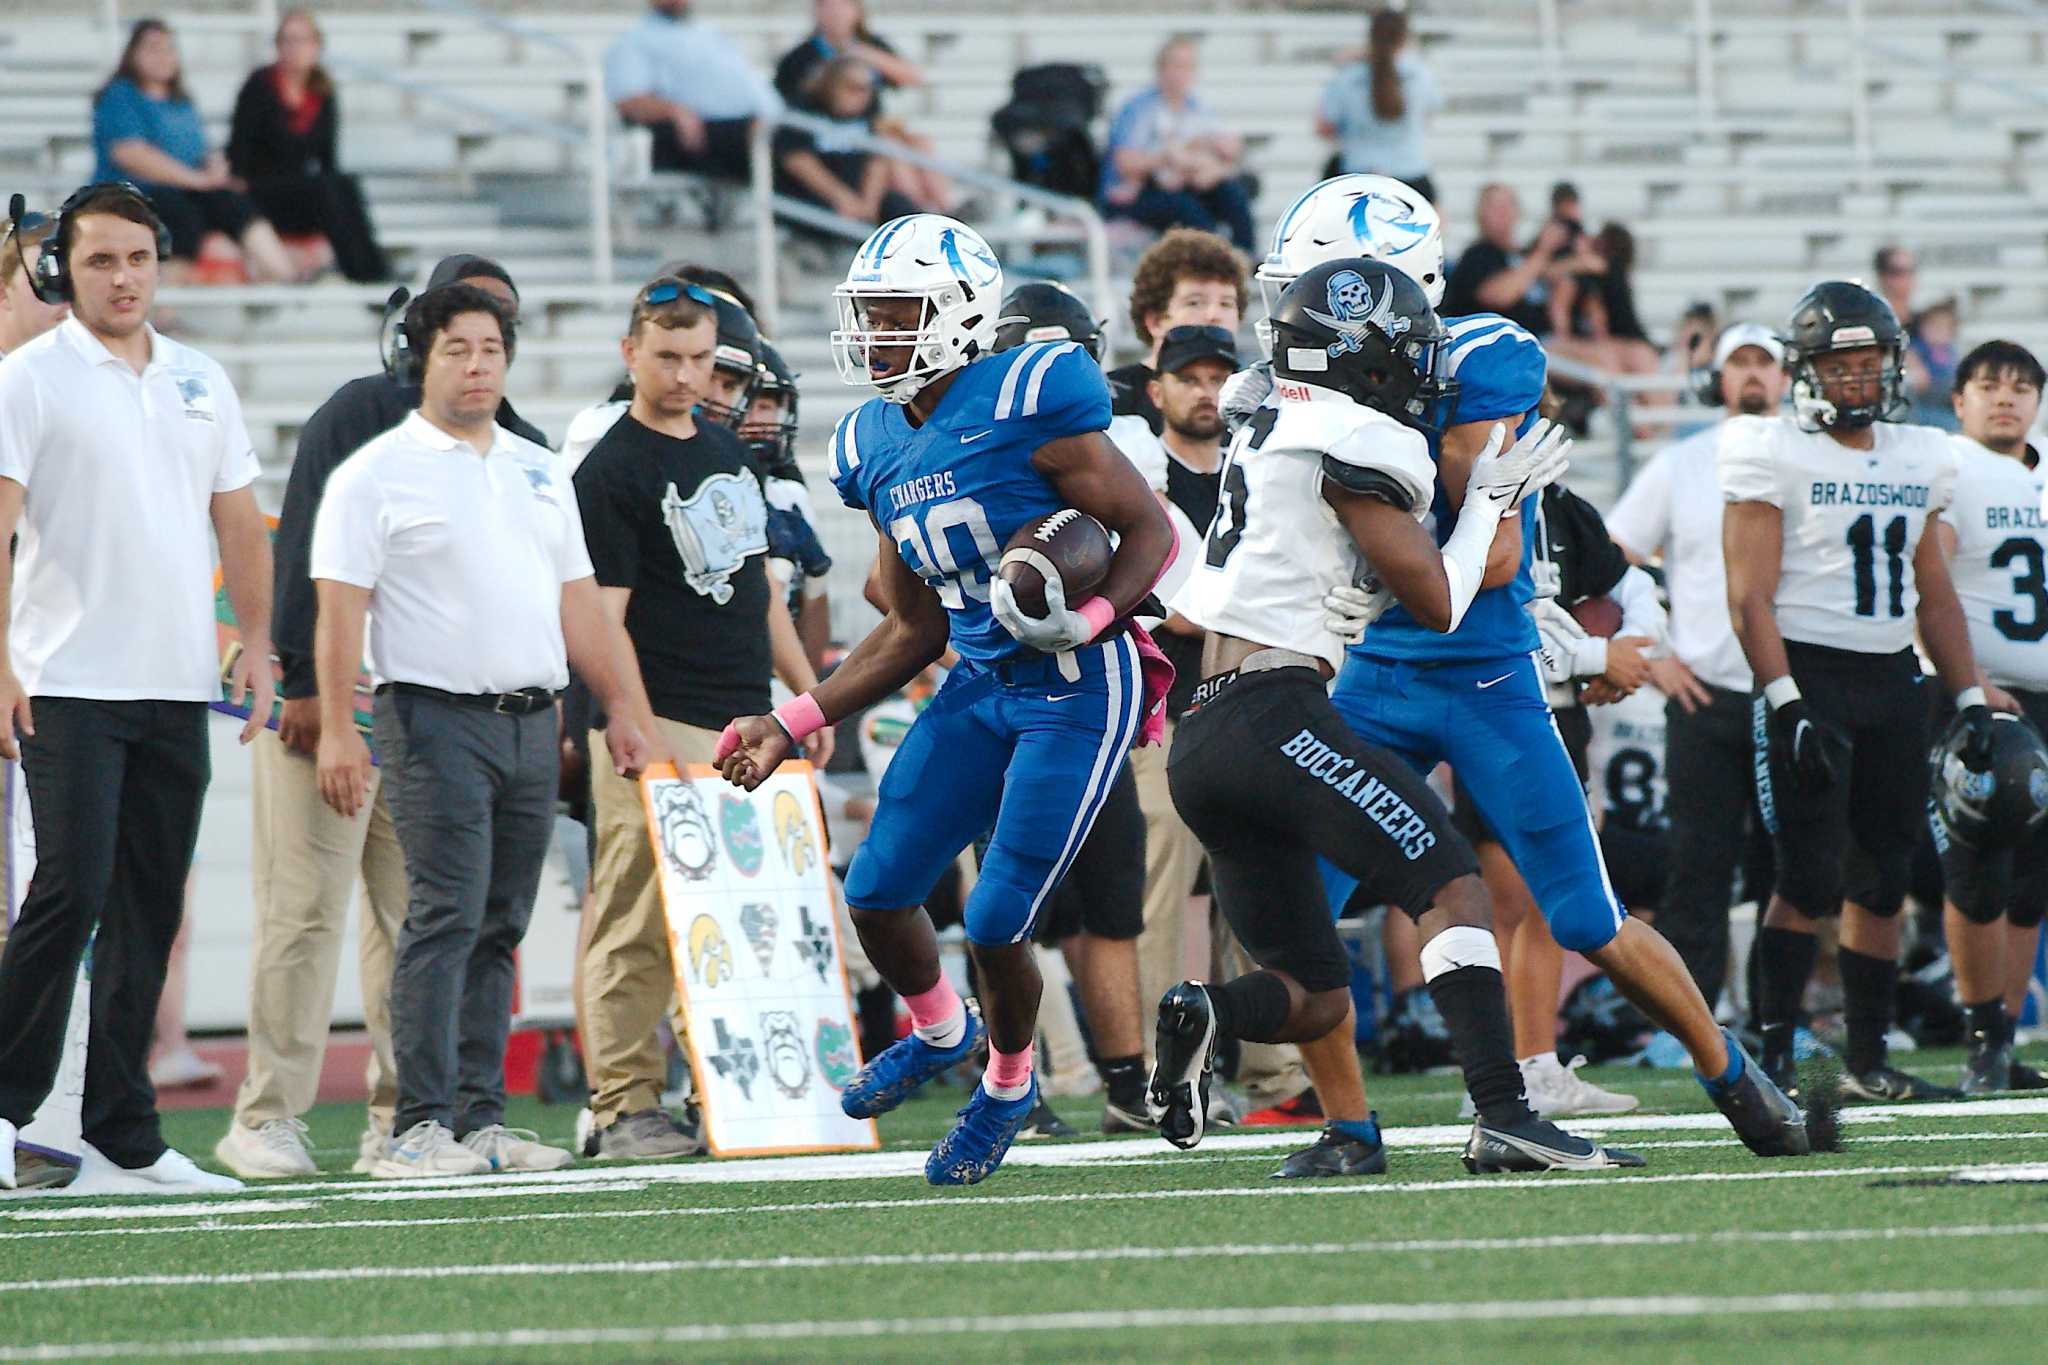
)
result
[(1815, 892), (1585, 924), (2025, 912), (1878, 884), (998, 910)]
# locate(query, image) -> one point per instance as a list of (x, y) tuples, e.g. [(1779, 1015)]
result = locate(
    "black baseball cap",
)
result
[(464, 266), (1183, 346)]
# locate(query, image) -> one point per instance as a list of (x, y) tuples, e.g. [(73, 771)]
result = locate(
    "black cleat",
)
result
[(1537, 1145), (2025, 1077), (1334, 1153), (1043, 1123), (1887, 1085), (1185, 1049), (1759, 1110), (1987, 1067), (1127, 1118)]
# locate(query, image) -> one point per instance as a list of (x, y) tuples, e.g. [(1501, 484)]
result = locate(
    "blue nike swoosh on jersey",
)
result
[(970, 440)]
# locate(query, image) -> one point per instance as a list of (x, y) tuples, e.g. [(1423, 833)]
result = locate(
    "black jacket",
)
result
[(261, 144), (359, 411), (1575, 539)]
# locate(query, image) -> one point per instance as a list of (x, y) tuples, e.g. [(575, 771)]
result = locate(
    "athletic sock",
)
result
[(1987, 1021), (1365, 1130), (1723, 1083), (1461, 967), (1124, 1079), (1254, 1007), (1868, 987), (1784, 964), (937, 1015), (1009, 1074)]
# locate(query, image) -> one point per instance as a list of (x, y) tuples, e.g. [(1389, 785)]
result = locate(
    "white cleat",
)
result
[(426, 1149), (273, 1150), (1557, 1091), (516, 1149), (6, 1155)]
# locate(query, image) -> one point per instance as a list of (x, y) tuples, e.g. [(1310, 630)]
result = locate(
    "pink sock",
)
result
[(937, 1014), (1009, 1073)]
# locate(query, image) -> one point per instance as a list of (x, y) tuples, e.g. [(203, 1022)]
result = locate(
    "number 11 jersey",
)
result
[(2001, 564), (1852, 519)]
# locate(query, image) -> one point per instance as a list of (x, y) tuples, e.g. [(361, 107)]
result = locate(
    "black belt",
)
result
[(523, 703), (1259, 661)]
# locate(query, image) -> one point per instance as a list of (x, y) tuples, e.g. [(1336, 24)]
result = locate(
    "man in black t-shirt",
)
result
[(678, 533), (1494, 275)]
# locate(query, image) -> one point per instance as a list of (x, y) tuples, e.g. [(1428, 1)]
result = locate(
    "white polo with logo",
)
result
[(113, 577), (464, 555)]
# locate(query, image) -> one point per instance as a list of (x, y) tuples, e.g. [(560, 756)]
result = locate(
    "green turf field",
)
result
[(1136, 1252)]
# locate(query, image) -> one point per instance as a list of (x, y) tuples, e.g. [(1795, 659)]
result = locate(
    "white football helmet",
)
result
[(944, 264), (1373, 216)]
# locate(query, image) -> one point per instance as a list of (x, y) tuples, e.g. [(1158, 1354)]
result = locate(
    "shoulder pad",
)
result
[(1384, 454), (1747, 458), (845, 453), (1022, 392), (1498, 364)]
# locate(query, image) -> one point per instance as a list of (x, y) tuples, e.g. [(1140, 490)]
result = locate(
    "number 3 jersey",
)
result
[(2000, 568), (1276, 546), (952, 492), (1852, 519)]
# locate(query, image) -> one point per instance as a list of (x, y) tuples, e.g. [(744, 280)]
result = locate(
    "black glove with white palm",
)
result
[(1504, 475)]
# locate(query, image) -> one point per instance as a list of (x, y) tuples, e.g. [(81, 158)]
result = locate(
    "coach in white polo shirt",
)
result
[(1674, 507), (463, 544), (119, 450)]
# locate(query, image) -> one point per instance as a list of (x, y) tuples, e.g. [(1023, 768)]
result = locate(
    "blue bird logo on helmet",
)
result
[(1374, 215)]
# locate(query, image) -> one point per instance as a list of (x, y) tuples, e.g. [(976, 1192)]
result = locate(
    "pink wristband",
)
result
[(801, 716), (1098, 613)]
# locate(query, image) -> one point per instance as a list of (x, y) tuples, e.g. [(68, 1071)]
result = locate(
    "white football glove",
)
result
[(1057, 631), (1243, 393), (1568, 652), (1350, 607), (1503, 478)]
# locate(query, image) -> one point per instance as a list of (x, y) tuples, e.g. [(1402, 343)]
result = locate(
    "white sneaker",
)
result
[(515, 1149), (426, 1149), (171, 1173), (6, 1155), (1557, 1091), (271, 1150), (369, 1147), (183, 1070)]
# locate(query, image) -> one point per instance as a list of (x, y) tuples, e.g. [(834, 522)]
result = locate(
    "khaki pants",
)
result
[(1173, 861), (307, 860), (626, 976)]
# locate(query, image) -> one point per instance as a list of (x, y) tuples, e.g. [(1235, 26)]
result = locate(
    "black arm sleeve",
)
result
[(1593, 562), (1371, 483), (359, 411)]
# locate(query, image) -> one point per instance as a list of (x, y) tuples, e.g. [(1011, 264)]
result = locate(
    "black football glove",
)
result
[(1977, 747), (1804, 746)]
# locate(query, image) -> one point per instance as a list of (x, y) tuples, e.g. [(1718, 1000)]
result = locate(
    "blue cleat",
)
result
[(894, 1075), (971, 1152)]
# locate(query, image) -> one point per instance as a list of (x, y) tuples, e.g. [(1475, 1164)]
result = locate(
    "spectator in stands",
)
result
[(146, 129), (1188, 278), (833, 169), (1932, 354), (1898, 277), (690, 85), (282, 145), (1494, 274), (1593, 315), (1171, 162), (23, 316), (1375, 110), (840, 29)]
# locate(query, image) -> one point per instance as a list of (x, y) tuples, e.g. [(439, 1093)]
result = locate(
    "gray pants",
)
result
[(472, 795)]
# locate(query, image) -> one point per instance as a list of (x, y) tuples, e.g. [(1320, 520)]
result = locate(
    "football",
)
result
[(1598, 616), (1068, 543)]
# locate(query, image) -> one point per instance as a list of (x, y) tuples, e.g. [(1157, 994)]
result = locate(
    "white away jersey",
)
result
[(1852, 521), (1625, 756), (1276, 545), (2001, 564)]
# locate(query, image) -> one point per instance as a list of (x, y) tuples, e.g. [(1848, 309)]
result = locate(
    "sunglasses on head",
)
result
[(1205, 332), (668, 291)]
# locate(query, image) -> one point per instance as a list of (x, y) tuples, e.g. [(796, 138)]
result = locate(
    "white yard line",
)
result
[(969, 1203), (1494, 1310), (881, 1261), (910, 1162)]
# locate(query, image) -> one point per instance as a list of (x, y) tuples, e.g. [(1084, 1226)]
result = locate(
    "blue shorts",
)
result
[(1488, 719), (1015, 746)]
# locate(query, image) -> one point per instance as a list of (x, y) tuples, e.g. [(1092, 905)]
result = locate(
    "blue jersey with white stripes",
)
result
[(953, 491), (1500, 371)]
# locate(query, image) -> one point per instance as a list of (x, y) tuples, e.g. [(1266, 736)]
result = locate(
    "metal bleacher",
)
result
[(1790, 145)]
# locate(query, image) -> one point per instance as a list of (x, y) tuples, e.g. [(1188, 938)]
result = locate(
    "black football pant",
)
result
[(1710, 774)]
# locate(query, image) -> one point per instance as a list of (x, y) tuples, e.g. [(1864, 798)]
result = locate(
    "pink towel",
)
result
[(1158, 673)]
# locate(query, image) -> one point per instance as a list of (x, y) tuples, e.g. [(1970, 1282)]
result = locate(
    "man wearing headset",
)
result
[(306, 857), (135, 447)]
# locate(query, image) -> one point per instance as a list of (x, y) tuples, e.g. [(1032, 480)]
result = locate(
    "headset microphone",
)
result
[(394, 347), (17, 210)]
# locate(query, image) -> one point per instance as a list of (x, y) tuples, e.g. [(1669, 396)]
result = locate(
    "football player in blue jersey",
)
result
[(1474, 697), (962, 449)]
